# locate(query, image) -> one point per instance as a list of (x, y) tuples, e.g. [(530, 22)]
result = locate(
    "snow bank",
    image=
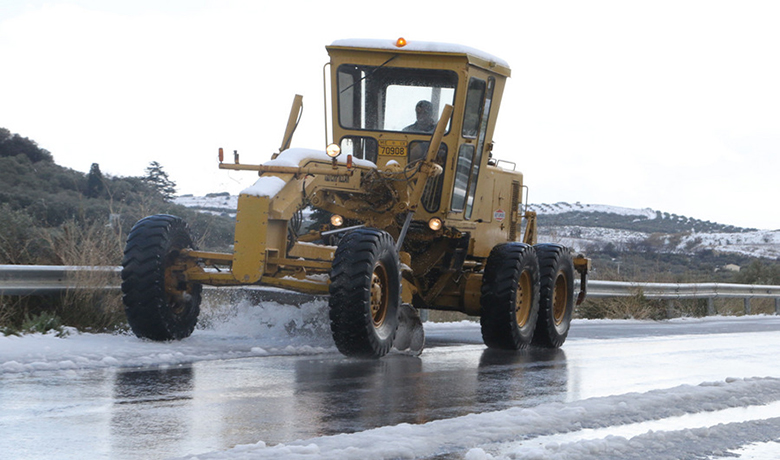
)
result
[(225, 330), (476, 435), (695, 443)]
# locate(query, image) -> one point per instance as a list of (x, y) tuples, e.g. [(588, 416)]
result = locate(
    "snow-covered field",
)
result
[(712, 419)]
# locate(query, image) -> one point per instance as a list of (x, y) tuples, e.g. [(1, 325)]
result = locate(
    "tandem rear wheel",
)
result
[(556, 295), (527, 296)]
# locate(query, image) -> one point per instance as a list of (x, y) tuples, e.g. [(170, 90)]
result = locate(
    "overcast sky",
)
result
[(672, 105)]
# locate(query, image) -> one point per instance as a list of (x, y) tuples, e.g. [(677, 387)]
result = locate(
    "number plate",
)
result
[(394, 148)]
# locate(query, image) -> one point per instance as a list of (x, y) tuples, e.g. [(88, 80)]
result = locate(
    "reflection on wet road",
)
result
[(347, 396), (217, 405), (151, 409)]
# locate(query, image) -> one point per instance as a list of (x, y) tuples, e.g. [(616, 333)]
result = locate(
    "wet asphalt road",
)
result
[(215, 405)]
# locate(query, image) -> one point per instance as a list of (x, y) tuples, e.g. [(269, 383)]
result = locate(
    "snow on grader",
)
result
[(423, 215)]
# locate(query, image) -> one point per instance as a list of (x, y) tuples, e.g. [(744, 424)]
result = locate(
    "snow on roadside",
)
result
[(476, 435), (229, 330), (720, 440)]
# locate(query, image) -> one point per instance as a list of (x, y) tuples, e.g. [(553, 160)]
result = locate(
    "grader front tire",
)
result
[(158, 304), (365, 293), (510, 296)]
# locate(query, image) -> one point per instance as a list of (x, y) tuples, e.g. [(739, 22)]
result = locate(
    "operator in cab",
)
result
[(425, 122)]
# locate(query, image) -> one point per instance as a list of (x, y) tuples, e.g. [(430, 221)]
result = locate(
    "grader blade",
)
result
[(410, 336)]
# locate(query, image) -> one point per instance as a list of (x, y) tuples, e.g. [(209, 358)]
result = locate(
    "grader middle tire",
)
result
[(365, 293), (556, 295), (159, 305), (509, 302)]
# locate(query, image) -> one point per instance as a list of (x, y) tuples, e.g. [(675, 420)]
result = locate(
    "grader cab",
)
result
[(422, 215)]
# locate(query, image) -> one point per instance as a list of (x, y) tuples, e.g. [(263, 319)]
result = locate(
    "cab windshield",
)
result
[(393, 99)]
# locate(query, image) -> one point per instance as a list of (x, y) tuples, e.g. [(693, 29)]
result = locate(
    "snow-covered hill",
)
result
[(594, 226), (560, 208), (759, 243), (215, 203), (646, 229)]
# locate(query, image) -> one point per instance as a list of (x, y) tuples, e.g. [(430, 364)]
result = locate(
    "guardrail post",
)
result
[(669, 308), (711, 307), (777, 305), (747, 306)]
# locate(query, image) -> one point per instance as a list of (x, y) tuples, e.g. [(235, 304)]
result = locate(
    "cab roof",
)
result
[(474, 56)]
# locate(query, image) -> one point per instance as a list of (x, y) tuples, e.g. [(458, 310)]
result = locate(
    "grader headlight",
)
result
[(336, 220), (435, 224), (333, 150)]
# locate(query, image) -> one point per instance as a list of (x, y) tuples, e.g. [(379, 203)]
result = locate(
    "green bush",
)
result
[(53, 215), (42, 323)]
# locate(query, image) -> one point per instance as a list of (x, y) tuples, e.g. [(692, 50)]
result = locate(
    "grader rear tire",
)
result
[(159, 306), (510, 296), (365, 293), (556, 295)]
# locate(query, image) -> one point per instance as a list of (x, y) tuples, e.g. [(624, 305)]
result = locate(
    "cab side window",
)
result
[(483, 122), (474, 100), (465, 157), (476, 94)]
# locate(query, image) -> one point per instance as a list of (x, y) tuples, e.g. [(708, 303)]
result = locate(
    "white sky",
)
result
[(673, 105)]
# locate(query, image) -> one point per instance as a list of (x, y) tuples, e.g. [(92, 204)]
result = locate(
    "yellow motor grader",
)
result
[(422, 215)]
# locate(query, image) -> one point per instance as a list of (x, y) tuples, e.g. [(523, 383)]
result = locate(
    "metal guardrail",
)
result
[(680, 291), (51, 279), (668, 291)]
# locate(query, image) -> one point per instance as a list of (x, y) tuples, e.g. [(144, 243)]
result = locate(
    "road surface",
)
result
[(119, 403)]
